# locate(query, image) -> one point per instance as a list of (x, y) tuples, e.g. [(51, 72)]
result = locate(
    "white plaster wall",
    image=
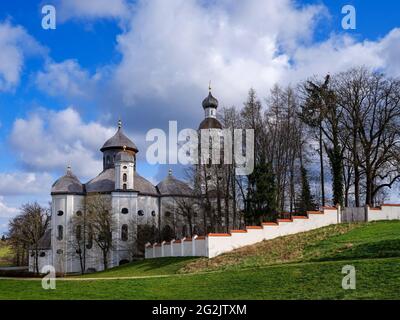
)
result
[(214, 245), (386, 212)]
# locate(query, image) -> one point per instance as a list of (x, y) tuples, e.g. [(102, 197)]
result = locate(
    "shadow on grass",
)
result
[(377, 249)]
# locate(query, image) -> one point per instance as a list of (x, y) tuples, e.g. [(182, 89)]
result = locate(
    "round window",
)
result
[(153, 213), (125, 211), (141, 213), (60, 213)]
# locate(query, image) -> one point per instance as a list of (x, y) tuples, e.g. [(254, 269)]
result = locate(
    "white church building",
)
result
[(131, 198)]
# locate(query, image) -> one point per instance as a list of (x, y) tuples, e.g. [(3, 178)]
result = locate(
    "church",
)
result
[(134, 203)]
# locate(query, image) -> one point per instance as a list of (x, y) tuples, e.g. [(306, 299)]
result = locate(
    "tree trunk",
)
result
[(321, 159)]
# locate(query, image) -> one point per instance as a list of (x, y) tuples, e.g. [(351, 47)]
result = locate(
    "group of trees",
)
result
[(25, 231), (324, 142)]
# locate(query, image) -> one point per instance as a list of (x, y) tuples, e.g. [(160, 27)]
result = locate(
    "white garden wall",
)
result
[(217, 243)]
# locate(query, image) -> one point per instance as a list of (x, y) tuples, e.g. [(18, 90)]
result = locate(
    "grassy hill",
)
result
[(302, 266)]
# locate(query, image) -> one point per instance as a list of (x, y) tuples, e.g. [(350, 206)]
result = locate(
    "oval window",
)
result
[(60, 213), (125, 211), (141, 213), (59, 251), (153, 213), (42, 254), (79, 213)]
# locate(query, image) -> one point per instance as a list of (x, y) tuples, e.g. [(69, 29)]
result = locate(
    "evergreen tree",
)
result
[(306, 202), (262, 194)]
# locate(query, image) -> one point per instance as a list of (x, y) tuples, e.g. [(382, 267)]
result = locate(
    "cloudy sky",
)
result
[(147, 62)]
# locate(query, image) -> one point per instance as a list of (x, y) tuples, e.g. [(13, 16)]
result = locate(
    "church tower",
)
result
[(124, 170), (210, 105)]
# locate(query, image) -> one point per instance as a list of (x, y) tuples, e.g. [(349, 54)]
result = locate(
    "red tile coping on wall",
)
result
[(238, 231), (178, 241), (253, 227), (219, 235), (376, 209), (200, 238), (390, 205), (284, 220), (158, 245), (269, 224), (299, 217), (329, 208), (188, 239), (315, 212)]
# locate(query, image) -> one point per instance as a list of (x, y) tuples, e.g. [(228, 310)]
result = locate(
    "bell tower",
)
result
[(124, 170)]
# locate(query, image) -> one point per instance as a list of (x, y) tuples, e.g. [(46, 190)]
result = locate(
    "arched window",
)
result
[(60, 213), (108, 161), (153, 213), (125, 211), (140, 213), (79, 233), (60, 232), (124, 177), (124, 187), (124, 232), (79, 213), (90, 238)]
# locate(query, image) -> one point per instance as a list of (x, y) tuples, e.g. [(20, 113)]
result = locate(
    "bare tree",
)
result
[(101, 224), (28, 228)]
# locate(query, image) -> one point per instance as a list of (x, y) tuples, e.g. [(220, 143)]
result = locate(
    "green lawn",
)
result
[(302, 266)]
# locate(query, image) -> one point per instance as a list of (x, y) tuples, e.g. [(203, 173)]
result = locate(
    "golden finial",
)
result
[(124, 148), (170, 172), (119, 124), (209, 86), (69, 168)]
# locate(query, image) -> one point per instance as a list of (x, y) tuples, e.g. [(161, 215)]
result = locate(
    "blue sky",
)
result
[(150, 62)]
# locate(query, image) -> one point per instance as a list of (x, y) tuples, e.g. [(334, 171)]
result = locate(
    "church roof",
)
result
[(210, 101), (173, 187), (68, 184), (105, 183), (44, 242), (210, 123), (119, 141)]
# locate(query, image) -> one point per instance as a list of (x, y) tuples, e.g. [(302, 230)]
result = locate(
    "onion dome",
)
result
[(68, 184), (119, 140), (171, 186), (210, 101)]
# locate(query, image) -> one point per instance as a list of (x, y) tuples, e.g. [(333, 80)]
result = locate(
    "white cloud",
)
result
[(93, 9), (16, 44), (173, 48), (24, 183), (66, 78), (180, 45), (51, 140), (6, 211)]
